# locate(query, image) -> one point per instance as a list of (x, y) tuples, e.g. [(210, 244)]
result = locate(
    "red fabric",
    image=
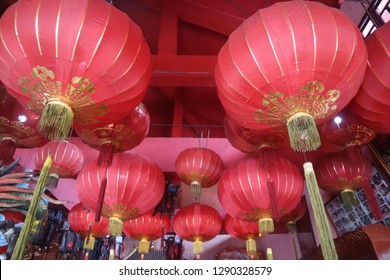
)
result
[(135, 185), (199, 164), (67, 158), (80, 219), (243, 192), (197, 221), (240, 229), (147, 226), (266, 62), (372, 101), (92, 40)]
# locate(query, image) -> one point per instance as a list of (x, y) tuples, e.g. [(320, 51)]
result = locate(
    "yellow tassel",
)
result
[(326, 238), (266, 225), (303, 132), (112, 254), (89, 243), (56, 120), (349, 198), (143, 246), (251, 245), (269, 254), (115, 226), (198, 247), (196, 191), (32, 210)]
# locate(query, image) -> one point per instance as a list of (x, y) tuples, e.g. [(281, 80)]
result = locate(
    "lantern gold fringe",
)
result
[(327, 243), (56, 120), (266, 225), (371, 199), (115, 226), (270, 256), (196, 191), (32, 210), (143, 246), (251, 245), (198, 247), (89, 243), (349, 198), (303, 132)]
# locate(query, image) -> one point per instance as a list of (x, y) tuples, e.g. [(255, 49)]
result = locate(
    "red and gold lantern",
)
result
[(74, 62), (67, 158), (147, 228), (134, 186), (197, 223), (200, 168), (278, 68)]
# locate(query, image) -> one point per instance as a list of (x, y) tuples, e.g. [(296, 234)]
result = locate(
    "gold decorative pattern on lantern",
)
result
[(309, 101), (257, 214), (42, 88), (356, 134), (15, 128), (120, 211)]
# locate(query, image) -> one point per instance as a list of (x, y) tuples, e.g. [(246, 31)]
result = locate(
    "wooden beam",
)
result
[(167, 41)]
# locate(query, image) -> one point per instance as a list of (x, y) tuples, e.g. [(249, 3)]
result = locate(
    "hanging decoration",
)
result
[(371, 103), (18, 128), (279, 69), (82, 221), (67, 158), (147, 228), (197, 223), (117, 137), (74, 63), (134, 186), (243, 191), (200, 168)]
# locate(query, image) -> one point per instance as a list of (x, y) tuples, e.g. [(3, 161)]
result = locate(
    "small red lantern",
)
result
[(200, 168), (134, 186), (67, 158), (147, 228), (197, 223)]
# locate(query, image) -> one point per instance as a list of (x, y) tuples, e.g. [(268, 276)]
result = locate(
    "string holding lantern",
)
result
[(74, 63), (67, 159), (18, 128), (197, 223), (200, 168), (134, 186)]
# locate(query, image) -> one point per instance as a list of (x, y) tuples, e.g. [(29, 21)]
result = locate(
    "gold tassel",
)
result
[(143, 246), (266, 225), (303, 132), (56, 120), (269, 254), (32, 210), (89, 243), (115, 226), (198, 246), (349, 198), (251, 245), (327, 243), (196, 191)]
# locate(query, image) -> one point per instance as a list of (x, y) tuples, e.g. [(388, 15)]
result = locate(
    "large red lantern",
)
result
[(18, 128), (75, 62), (372, 101), (200, 168), (147, 228), (67, 158), (244, 190), (295, 63), (117, 137), (82, 221), (134, 186), (197, 223)]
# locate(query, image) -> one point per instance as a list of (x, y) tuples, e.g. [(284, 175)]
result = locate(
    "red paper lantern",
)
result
[(295, 63), (118, 137), (147, 228), (200, 168), (250, 192), (82, 221), (197, 223), (134, 186), (81, 62), (67, 158), (18, 128), (372, 101)]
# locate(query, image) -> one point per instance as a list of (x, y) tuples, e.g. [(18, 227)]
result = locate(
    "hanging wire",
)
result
[(208, 137)]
